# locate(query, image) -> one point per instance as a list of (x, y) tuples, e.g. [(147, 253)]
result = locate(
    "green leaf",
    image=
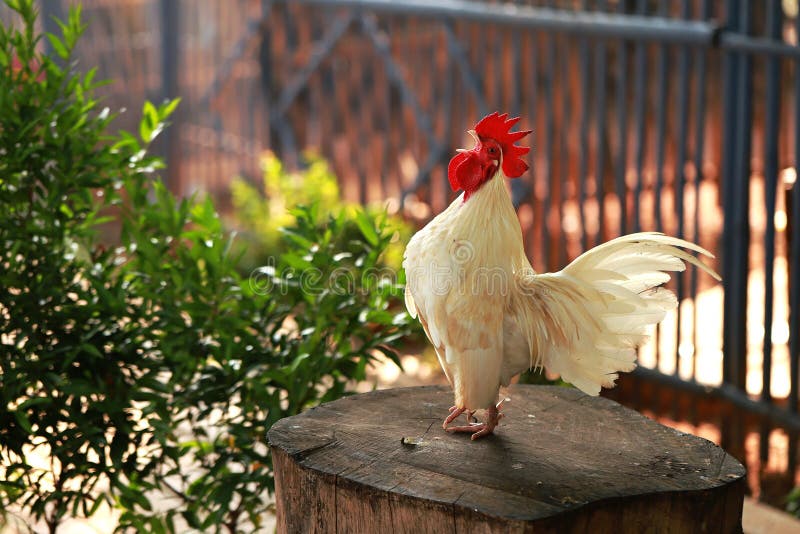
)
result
[(126, 140), (165, 110), (367, 227), (145, 130), (191, 518), (151, 113), (63, 208), (58, 46), (23, 421), (297, 361), (297, 262), (91, 349), (297, 238), (149, 126), (35, 401)]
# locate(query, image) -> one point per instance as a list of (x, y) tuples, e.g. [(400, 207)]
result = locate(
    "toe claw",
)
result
[(478, 430), (454, 413), (480, 433)]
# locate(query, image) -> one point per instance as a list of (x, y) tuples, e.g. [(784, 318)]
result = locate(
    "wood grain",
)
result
[(561, 461)]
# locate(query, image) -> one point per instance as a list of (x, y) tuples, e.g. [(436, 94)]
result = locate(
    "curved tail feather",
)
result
[(586, 321)]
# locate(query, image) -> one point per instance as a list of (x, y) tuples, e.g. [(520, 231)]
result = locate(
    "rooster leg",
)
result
[(479, 430)]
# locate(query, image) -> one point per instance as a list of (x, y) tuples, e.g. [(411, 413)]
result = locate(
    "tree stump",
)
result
[(560, 461)]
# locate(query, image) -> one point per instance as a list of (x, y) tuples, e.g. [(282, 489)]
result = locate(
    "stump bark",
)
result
[(560, 461)]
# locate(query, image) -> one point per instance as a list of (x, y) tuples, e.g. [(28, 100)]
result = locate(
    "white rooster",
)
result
[(490, 316)]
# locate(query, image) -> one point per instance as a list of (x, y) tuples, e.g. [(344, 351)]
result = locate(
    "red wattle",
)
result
[(466, 173), (453, 172)]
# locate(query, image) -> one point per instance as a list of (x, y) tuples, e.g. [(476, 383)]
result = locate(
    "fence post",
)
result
[(170, 61), (736, 198), (793, 237), (793, 240), (772, 130)]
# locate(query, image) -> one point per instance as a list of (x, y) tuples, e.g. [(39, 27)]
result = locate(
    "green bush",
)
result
[(72, 363), (152, 366), (259, 216), (260, 235)]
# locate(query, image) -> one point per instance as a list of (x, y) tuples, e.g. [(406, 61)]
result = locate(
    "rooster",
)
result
[(490, 316)]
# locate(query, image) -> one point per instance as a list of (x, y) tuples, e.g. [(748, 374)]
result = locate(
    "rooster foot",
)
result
[(478, 430), (455, 412)]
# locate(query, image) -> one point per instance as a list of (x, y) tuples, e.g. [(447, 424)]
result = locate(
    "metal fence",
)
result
[(674, 115)]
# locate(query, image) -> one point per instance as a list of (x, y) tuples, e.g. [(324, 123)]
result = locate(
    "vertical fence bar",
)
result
[(662, 93), (763, 441), (583, 157), (265, 67), (448, 94), (699, 149), (366, 81), (622, 126), (549, 146), (730, 131), (390, 180), (520, 189), (532, 100), (680, 172), (794, 249), (170, 62), (742, 196), (446, 110), (285, 131), (600, 122), (640, 105), (771, 127), (494, 47), (51, 10), (737, 219), (566, 120)]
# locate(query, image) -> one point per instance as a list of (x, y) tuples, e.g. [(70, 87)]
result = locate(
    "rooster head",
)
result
[(494, 148)]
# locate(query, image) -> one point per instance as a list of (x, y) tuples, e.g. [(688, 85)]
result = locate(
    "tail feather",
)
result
[(642, 251), (586, 321)]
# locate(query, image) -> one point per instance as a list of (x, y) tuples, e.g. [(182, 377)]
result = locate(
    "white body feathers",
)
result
[(490, 317)]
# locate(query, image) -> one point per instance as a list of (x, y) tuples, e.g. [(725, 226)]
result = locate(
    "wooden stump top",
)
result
[(560, 460)]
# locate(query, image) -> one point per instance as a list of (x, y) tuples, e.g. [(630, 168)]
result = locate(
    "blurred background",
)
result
[(681, 116)]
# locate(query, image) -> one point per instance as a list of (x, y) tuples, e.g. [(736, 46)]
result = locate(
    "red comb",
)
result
[(497, 127)]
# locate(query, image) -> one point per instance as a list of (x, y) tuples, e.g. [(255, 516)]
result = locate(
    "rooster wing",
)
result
[(461, 312)]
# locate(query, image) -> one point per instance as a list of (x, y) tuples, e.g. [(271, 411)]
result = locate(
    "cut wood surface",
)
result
[(560, 461)]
